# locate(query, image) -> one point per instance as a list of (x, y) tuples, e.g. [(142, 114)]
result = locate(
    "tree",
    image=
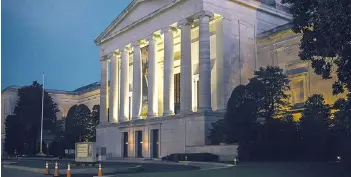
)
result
[(342, 128), (271, 86), (91, 122), (27, 118), (325, 26), (314, 128), (251, 106), (75, 125), (13, 140)]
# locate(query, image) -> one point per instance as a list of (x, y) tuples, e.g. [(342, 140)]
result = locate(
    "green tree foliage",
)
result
[(75, 125), (23, 128), (250, 112), (325, 26), (80, 125), (272, 85), (342, 128), (314, 128), (90, 125)]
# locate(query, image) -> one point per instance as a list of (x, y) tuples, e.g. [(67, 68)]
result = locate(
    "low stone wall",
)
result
[(225, 152)]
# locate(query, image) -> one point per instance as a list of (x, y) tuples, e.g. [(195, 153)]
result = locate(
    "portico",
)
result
[(171, 74)]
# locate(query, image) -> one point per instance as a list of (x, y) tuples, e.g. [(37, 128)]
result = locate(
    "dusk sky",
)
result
[(55, 37)]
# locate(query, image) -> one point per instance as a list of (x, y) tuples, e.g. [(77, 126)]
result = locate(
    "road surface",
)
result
[(6, 172)]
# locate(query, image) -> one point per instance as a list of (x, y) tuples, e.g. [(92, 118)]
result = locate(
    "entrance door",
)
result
[(125, 144), (155, 143), (139, 144)]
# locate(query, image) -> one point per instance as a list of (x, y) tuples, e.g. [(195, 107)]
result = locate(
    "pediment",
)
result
[(136, 10)]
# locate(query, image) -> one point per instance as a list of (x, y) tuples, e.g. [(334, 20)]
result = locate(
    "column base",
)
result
[(168, 113), (185, 111), (208, 109), (136, 118), (123, 119), (151, 115)]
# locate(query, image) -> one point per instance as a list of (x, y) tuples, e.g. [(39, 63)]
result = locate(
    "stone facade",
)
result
[(193, 53)]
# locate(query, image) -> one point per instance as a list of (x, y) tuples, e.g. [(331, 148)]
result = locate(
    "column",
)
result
[(204, 62), (152, 74), (185, 67), (124, 89), (225, 51), (113, 105), (103, 91), (168, 82), (137, 81)]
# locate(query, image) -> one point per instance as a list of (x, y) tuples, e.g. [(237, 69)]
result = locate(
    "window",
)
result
[(130, 107), (298, 92), (108, 114), (176, 93), (198, 94)]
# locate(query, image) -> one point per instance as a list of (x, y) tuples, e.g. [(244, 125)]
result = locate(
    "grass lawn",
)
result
[(261, 170)]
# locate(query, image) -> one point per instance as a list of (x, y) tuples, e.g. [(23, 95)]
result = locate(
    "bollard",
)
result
[(56, 172), (100, 170), (235, 161), (46, 168), (68, 170)]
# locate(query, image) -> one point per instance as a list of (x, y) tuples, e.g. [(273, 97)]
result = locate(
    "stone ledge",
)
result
[(157, 120)]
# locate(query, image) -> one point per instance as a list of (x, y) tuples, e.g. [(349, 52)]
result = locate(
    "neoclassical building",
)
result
[(172, 67)]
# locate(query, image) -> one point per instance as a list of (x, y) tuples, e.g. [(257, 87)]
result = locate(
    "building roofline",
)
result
[(50, 91)]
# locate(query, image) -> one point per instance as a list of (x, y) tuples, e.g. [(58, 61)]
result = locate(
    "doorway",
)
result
[(125, 144), (154, 143), (139, 144)]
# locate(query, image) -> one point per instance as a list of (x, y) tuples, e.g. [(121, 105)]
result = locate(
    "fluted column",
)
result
[(168, 83), (124, 89), (137, 81), (204, 61), (103, 90), (185, 67), (113, 105), (152, 74)]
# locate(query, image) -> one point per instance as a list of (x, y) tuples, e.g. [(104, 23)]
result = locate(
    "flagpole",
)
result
[(42, 117)]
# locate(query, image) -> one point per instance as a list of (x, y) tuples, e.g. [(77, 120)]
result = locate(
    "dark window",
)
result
[(130, 107), (198, 94), (108, 114), (176, 93)]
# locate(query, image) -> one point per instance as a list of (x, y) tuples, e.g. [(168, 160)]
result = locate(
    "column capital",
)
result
[(204, 13), (167, 29), (139, 43), (185, 22), (153, 37), (127, 48), (104, 58)]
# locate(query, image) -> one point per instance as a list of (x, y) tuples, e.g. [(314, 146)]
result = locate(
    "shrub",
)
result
[(204, 157)]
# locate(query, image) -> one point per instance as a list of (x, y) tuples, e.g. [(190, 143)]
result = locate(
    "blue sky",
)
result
[(55, 37)]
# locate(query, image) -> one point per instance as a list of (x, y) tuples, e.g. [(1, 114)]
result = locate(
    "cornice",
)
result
[(103, 36)]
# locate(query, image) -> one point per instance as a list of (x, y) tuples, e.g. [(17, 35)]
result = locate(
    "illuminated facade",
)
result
[(172, 67)]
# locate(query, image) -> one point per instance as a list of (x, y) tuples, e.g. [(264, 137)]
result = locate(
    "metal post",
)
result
[(42, 117)]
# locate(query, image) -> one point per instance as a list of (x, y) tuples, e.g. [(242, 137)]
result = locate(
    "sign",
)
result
[(85, 152)]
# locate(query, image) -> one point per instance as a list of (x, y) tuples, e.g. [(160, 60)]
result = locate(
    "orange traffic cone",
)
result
[(68, 170), (46, 172), (56, 172), (100, 170)]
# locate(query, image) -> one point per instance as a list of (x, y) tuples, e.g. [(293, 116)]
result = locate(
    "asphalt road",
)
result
[(5, 172)]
